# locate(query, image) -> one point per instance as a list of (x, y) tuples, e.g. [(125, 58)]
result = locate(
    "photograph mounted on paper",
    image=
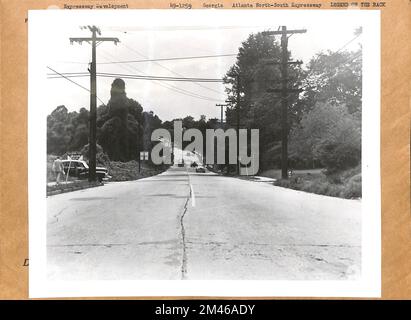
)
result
[(204, 145)]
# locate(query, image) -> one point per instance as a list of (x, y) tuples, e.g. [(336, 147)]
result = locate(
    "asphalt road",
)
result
[(184, 225)]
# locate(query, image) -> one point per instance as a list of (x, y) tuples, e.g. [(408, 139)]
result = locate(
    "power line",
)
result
[(77, 84), (170, 59), (67, 78), (139, 77), (156, 81), (179, 90), (169, 86), (348, 42), (333, 53), (148, 77), (172, 71), (187, 28), (159, 59), (174, 88)]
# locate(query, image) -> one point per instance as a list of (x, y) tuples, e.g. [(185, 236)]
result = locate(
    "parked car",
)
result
[(80, 169), (201, 169)]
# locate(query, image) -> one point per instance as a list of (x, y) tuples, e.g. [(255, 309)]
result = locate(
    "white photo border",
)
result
[(369, 284)]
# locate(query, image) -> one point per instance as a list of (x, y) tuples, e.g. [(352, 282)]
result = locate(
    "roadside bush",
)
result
[(126, 171), (328, 134), (353, 189), (73, 186), (336, 155), (348, 187)]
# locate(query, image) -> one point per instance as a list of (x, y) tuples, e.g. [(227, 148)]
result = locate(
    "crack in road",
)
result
[(108, 245), (183, 233), (221, 243), (154, 243), (57, 215), (183, 239)]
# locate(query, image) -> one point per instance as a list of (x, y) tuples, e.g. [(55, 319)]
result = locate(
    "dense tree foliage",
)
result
[(333, 78), (320, 118), (123, 128), (120, 125), (329, 131), (324, 120), (67, 131), (329, 135), (249, 79)]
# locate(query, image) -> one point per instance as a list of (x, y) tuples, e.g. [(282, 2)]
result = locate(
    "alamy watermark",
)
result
[(215, 146)]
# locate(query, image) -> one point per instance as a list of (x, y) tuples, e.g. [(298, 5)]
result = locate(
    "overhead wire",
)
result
[(144, 77), (170, 70), (157, 59), (169, 59), (169, 86), (77, 84), (157, 79)]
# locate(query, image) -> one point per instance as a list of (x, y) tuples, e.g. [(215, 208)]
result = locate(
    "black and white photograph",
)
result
[(204, 152)]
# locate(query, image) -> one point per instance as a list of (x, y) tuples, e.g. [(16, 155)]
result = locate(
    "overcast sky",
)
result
[(157, 34)]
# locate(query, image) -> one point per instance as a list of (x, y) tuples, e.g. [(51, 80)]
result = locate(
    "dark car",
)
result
[(194, 165), (80, 169), (200, 169)]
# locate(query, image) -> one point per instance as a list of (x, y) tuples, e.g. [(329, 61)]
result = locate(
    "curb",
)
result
[(73, 188)]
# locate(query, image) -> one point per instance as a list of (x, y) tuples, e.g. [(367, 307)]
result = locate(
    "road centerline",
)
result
[(193, 197), (192, 194)]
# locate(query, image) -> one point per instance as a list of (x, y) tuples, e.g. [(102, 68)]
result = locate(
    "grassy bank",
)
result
[(71, 186), (125, 171), (276, 173), (346, 184)]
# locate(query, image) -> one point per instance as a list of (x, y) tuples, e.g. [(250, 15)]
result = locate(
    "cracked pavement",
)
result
[(181, 225)]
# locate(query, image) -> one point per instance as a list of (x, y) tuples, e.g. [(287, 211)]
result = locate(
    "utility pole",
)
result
[(222, 112), (284, 91), (94, 40), (237, 102), (238, 124)]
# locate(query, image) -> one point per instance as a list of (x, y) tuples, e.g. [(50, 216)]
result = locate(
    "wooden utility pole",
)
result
[(284, 91), (222, 112), (238, 124), (237, 102), (94, 40)]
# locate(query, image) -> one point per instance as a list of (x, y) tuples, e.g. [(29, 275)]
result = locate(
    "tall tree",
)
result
[(249, 79), (328, 130), (123, 128), (329, 134), (334, 78), (120, 124), (66, 131)]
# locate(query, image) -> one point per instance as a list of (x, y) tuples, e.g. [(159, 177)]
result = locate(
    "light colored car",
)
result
[(80, 169)]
